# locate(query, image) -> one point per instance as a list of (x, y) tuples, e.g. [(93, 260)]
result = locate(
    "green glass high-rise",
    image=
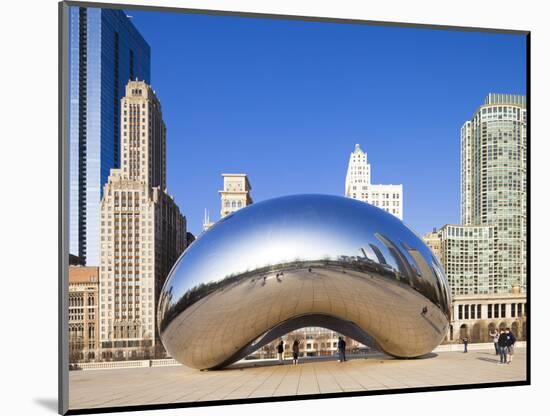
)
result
[(494, 183)]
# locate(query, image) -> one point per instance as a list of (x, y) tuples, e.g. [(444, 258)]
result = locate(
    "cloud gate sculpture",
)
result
[(303, 260)]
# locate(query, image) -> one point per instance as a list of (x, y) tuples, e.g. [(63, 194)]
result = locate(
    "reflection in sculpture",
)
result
[(303, 260)]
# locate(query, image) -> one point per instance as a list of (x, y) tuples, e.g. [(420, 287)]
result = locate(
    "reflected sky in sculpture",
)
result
[(343, 239)]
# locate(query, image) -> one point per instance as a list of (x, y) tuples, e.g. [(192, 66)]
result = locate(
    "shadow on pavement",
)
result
[(303, 360), (50, 403), (489, 360), (307, 360), (425, 356)]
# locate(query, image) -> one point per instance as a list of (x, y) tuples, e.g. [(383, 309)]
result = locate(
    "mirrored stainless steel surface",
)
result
[(303, 260)]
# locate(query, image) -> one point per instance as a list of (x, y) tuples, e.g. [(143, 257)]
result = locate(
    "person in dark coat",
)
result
[(341, 349), (280, 350), (494, 337), (295, 352), (465, 342), (510, 341), (502, 347)]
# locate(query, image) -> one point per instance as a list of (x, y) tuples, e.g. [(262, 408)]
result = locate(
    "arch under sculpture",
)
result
[(297, 261)]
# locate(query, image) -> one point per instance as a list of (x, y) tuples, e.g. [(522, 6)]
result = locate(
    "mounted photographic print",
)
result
[(265, 207)]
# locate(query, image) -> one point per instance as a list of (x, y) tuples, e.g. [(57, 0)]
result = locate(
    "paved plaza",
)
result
[(176, 384)]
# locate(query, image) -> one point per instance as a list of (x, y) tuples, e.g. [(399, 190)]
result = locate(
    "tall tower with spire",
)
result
[(206, 223), (359, 186)]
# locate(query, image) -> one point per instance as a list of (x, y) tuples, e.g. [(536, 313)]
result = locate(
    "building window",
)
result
[(459, 311), (513, 311), (503, 310), (496, 310), (478, 311), (466, 312), (489, 311), (473, 311)]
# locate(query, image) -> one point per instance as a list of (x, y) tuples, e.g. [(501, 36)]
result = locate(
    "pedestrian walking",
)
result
[(280, 351), (341, 349), (465, 342), (510, 342), (494, 336), (502, 347), (295, 352)]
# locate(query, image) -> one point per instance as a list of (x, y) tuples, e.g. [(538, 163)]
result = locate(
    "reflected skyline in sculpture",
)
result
[(304, 260)]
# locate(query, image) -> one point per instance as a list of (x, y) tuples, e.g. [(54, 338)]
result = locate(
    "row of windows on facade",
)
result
[(381, 203), (123, 243), (133, 314), (148, 238), (73, 318), (78, 300), (232, 204), (109, 278), (501, 109), (490, 120), (78, 331), (127, 310), (124, 270), (129, 227), (377, 195), (493, 311), (127, 305), (126, 218), (127, 291), (147, 322)]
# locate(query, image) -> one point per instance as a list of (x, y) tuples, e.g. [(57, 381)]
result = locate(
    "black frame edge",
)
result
[(528, 202), (63, 204)]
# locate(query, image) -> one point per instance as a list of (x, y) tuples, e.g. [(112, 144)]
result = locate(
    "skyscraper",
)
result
[(359, 186), (235, 194), (494, 180), (469, 258), (142, 230), (106, 51)]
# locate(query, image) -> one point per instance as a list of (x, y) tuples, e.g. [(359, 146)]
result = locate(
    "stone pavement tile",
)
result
[(225, 387), (308, 381), (344, 379), (289, 384)]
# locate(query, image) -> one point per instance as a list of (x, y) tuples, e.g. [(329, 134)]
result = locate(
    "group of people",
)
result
[(296, 351), (504, 342)]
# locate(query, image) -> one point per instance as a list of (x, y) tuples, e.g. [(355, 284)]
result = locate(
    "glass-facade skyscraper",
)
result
[(106, 51), (494, 183)]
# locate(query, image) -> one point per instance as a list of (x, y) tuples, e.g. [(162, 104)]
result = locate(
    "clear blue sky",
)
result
[(285, 102)]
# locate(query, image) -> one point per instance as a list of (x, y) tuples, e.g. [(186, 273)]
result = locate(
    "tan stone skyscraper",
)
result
[(142, 231)]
